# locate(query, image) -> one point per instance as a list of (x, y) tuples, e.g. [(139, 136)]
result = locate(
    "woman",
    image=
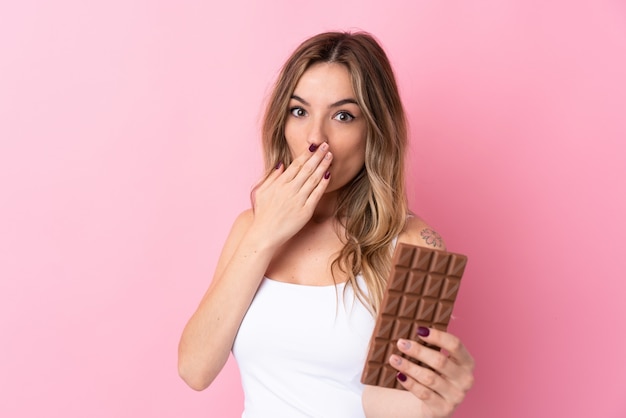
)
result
[(302, 272)]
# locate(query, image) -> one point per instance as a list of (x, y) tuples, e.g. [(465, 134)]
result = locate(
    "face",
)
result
[(323, 108)]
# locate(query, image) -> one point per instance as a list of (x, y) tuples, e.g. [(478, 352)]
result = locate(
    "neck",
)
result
[(325, 209)]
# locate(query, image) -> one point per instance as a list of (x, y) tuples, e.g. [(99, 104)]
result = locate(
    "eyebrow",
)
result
[(336, 104)]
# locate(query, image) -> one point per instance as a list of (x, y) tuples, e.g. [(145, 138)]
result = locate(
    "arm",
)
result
[(428, 394), (209, 334), (283, 204)]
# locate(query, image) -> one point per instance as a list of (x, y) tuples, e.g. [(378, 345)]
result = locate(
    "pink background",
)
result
[(129, 142)]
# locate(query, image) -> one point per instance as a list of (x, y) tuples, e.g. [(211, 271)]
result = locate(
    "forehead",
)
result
[(326, 79)]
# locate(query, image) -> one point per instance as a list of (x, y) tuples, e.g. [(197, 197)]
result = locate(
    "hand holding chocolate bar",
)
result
[(409, 348), (440, 378)]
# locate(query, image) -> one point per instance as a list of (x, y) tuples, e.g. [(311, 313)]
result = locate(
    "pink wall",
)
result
[(128, 142)]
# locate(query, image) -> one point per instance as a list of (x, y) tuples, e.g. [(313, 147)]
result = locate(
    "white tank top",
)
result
[(301, 350)]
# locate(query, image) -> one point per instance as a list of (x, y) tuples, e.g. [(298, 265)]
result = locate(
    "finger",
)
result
[(457, 374), (305, 164), (322, 182), (320, 174), (450, 343), (433, 400), (278, 170), (270, 178), (427, 378)]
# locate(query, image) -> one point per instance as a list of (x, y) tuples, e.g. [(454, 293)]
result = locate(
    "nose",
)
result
[(317, 133)]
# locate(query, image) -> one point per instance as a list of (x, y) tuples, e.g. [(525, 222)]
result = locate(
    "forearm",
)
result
[(379, 402), (208, 336)]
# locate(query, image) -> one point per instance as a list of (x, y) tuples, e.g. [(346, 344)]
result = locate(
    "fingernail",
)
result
[(327, 175), (278, 165), (396, 360), (401, 377), (313, 147), (423, 331), (404, 344)]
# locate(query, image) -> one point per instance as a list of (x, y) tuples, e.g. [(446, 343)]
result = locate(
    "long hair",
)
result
[(373, 207)]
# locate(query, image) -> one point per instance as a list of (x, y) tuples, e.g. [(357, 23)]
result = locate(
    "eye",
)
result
[(343, 117), (297, 111)]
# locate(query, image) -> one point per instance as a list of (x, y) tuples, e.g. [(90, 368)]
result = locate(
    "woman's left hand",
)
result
[(442, 390)]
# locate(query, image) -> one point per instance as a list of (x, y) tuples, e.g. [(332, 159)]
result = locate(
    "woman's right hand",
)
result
[(282, 205), (286, 200)]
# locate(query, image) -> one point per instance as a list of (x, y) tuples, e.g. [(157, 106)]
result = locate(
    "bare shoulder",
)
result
[(238, 229), (418, 232), (243, 221)]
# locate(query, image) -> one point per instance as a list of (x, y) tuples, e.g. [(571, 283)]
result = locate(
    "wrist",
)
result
[(261, 240)]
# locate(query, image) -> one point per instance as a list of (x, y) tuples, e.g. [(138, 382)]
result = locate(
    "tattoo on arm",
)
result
[(431, 237)]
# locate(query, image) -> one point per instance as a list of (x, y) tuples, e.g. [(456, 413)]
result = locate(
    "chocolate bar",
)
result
[(421, 290)]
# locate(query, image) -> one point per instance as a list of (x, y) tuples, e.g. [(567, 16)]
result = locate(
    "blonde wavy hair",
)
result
[(373, 207)]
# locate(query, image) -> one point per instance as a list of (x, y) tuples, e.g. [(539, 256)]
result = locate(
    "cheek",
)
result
[(288, 133), (290, 138), (355, 152), (351, 159)]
